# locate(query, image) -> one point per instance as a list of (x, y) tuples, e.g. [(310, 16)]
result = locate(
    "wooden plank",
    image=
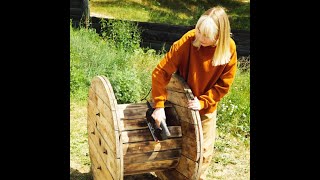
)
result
[(187, 167), (140, 105), (170, 174), (190, 130), (141, 123), (185, 114), (190, 148), (177, 98), (102, 150), (131, 113), (92, 96), (128, 125), (109, 123), (103, 109), (106, 104), (101, 87), (107, 133), (99, 168), (150, 166), (108, 114), (135, 111), (177, 84), (150, 146), (151, 156), (97, 172), (145, 134), (113, 104), (104, 118), (191, 141)]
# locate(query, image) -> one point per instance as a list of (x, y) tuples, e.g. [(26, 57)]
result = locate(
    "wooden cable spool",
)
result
[(121, 144)]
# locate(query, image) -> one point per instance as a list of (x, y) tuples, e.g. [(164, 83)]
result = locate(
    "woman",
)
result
[(206, 58)]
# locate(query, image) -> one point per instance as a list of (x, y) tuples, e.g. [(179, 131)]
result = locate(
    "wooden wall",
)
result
[(79, 11), (158, 35)]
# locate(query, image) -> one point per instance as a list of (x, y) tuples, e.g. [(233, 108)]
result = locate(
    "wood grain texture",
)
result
[(120, 143), (190, 161), (103, 130)]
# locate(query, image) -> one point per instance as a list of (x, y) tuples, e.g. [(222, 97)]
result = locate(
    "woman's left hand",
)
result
[(194, 104)]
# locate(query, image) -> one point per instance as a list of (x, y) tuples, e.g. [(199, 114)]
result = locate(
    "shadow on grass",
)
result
[(77, 175)]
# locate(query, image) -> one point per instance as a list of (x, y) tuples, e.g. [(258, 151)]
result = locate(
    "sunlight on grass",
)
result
[(230, 162), (79, 149), (170, 12), (118, 13)]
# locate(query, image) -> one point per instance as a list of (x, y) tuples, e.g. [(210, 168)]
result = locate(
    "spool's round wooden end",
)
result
[(103, 131), (191, 154)]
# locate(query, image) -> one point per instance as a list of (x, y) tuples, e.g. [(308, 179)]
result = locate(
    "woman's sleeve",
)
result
[(221, 88), (161, 75)]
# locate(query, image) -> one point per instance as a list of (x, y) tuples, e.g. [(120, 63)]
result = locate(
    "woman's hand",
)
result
[(159, 115), (194, 104)]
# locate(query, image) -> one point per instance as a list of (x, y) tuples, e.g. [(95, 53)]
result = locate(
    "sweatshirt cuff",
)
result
[(158, 104)]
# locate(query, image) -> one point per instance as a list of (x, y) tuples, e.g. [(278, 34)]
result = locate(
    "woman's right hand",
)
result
[(159, 115)]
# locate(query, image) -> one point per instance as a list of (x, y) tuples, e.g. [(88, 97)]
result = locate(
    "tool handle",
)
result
[(165, 129)]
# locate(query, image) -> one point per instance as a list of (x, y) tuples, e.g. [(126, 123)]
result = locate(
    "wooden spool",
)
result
[(121, 144)]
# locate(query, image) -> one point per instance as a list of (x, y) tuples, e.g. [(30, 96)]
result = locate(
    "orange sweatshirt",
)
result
[(208, 83)]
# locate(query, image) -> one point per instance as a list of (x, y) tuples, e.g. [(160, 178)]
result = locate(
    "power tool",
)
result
[(158, 133)]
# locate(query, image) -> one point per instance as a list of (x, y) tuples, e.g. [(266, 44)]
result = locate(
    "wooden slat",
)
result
[(187, 167), (178, 98), (150, 146), (190, 130), (151, 156), (190, 148), (106, 103), (107, 133), (103, 108), (175, 84), (141, 123), (140, 105), (145, 134), (135, 111), (127, 125), (102, 150), (99, 168), (151, 166), (101, 87), (131, 113), (170, 174), (185, 114)]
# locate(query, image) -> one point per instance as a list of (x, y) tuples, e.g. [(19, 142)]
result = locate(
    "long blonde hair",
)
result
[(214, 22)]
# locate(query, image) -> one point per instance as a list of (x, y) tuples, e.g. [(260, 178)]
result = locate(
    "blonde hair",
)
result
[(211, 23)]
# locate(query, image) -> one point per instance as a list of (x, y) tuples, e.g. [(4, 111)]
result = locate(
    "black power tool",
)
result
[(158, 134)]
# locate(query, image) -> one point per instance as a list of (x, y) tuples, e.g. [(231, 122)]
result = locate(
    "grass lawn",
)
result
[(178, 12)]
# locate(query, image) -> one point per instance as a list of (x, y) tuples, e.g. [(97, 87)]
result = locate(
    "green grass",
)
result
[(178, 12)]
